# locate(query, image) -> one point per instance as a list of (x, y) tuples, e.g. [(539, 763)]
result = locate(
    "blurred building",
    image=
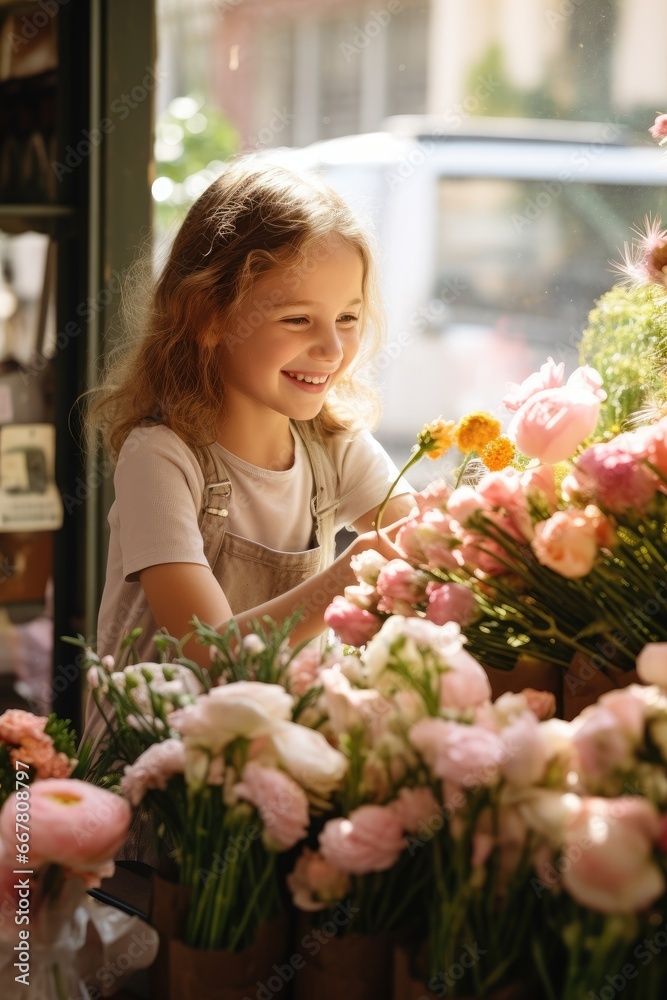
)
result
[(290, 72)]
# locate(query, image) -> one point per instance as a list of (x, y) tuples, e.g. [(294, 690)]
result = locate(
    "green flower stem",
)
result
[(414, 458), (462, 468)]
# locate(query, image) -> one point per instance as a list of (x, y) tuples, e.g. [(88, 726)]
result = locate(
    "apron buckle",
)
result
[(220, 491)]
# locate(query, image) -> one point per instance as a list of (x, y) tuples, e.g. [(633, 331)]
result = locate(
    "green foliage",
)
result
[(62, 734), (506, 100), (626, 341), (192, 141)]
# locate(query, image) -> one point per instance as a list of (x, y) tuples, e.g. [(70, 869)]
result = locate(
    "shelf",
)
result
[(31, 211), (15, 218)]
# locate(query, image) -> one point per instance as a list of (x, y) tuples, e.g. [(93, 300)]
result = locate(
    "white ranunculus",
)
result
[(308, 757)]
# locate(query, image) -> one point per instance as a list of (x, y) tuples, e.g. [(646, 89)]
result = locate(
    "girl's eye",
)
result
[(297, 320), (348, 319)]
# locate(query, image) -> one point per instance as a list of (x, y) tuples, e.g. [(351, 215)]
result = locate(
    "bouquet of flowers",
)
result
[(44, 747), (561, 553)]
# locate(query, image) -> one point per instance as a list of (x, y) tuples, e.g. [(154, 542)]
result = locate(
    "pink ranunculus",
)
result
[(616, 872), (282, 804), (369, 840), (659, 127), (400, 581), (610, 474), (72, 823), (429, 539), (465, 683), (16, 725), (153, 769), (629, 707), (550, 376), (462, 755), (552, 423), (652, 664), (539, 482), (351, 624), (314, 883), (568, 541), (416, 808), (450, 602)]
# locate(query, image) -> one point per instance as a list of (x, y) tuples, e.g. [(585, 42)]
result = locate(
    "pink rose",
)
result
[(351, 624), (659, 127), (602, 746), (416, 808), (552, 423), (282, 804), (569, 541), (369, 840), (72, 823), (616, 872), (484, 554), (450, 602), (398, 580), (652, 441), (589, 379), (314, 883), (652, 664), (550, 376), (351, 708), (463, 755)]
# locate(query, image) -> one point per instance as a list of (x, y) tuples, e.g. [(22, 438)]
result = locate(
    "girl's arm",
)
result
[(173, 590)]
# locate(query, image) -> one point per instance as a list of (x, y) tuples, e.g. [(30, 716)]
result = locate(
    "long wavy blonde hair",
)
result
[(256, 216)]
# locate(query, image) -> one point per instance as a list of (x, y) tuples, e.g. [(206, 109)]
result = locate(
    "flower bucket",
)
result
[(196, 974), (181, 972), (357, 967), (408, 985), (583, 683)]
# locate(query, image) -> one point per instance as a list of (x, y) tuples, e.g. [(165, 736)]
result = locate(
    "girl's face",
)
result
[(296, 338)]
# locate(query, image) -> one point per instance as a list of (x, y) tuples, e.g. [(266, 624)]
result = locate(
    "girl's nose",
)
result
[(327, 345)]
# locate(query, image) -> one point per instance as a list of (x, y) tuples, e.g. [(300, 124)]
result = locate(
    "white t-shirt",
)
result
[(159, 486)]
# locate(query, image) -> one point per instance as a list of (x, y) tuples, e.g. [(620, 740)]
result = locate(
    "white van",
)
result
[(495, 239)]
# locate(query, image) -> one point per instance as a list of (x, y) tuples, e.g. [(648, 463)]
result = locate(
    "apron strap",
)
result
[(325, 499), (216, 498)]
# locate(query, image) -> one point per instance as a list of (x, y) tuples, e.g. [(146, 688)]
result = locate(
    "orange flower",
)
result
[(436, 438), (476, 431), (498, 454)]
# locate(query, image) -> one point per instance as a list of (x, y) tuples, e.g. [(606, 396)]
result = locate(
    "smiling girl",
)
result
[(238, 423)]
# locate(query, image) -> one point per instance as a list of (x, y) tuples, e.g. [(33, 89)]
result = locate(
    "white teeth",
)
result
[(314, 379)]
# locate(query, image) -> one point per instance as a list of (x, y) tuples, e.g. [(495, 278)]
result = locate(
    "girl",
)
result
[(237, 421)]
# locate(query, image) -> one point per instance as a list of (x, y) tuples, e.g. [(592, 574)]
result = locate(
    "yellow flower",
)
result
[(436, 438), (498, 454), (476, 430)]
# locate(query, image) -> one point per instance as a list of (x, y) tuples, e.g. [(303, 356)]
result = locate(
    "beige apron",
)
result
[(250, 573)]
